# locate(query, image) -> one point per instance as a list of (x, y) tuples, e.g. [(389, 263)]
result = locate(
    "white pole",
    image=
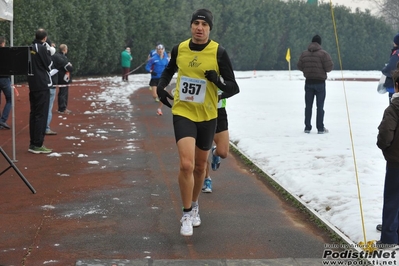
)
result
[(12, 96)]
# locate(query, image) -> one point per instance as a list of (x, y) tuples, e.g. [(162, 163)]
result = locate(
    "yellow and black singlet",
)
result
[(196, 97)]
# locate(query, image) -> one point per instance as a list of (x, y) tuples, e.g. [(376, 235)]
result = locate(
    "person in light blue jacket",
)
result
[(155, 66)]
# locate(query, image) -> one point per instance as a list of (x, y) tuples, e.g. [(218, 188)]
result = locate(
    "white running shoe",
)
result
[(186, 228), (195, 217)]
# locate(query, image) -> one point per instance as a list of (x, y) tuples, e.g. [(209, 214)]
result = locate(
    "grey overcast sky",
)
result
[(353, 4)]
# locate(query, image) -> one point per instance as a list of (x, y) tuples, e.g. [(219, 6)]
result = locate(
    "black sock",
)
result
[(187, 210)]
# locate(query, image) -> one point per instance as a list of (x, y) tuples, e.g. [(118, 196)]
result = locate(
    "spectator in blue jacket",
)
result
[(391, 66), (155, 66), (154, 52)]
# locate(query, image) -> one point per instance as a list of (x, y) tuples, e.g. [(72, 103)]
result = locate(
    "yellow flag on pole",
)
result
[(288, 58), (288, 55)]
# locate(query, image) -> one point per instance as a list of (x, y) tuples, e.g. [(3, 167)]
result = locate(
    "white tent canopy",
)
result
[(6, 10)]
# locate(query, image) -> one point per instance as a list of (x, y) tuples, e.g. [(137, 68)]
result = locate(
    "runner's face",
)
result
[(160, 51), (200, 31)]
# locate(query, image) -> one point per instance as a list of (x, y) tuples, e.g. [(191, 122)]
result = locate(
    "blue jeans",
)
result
[(50, 110), (5, 87), (390, 209), (312, 91)]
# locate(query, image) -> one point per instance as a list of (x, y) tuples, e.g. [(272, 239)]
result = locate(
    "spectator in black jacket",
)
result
[(39, 91), (64, 78), (5, 87)]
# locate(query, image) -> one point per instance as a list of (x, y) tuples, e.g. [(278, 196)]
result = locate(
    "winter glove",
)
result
[(163, 95), (153, 73), (211, 75)]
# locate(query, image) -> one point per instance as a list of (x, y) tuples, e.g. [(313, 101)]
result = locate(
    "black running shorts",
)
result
[(203, 132), (154, 82), (222, 124)]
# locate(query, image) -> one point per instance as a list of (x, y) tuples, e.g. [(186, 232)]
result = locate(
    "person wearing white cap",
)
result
[(155, 65)]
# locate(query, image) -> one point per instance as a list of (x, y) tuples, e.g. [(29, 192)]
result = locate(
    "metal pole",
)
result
[(12, 96)]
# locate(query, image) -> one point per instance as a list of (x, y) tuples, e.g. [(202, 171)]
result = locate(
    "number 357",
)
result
[(191, 88)]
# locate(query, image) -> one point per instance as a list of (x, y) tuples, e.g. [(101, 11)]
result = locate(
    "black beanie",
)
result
[(317, 39), (203, 14), (396, 39)]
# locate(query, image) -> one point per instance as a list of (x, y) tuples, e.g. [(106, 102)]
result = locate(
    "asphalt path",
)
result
[(109, 196)]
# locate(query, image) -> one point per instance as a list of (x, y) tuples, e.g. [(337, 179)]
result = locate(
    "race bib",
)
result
[(192, 89)]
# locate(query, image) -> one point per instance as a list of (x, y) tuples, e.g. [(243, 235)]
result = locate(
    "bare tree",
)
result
[(389, 10)]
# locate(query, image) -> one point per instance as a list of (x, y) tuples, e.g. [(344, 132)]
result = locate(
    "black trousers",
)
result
[(39, 105), (390, 209), (63, 98)]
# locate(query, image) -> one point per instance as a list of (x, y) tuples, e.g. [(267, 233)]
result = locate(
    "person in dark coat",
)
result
[(315, 63), (388, 142), (64, 79), (39, 91)]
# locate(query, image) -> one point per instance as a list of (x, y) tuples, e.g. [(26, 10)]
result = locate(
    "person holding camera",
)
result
[(39, 91), (155, 66)]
